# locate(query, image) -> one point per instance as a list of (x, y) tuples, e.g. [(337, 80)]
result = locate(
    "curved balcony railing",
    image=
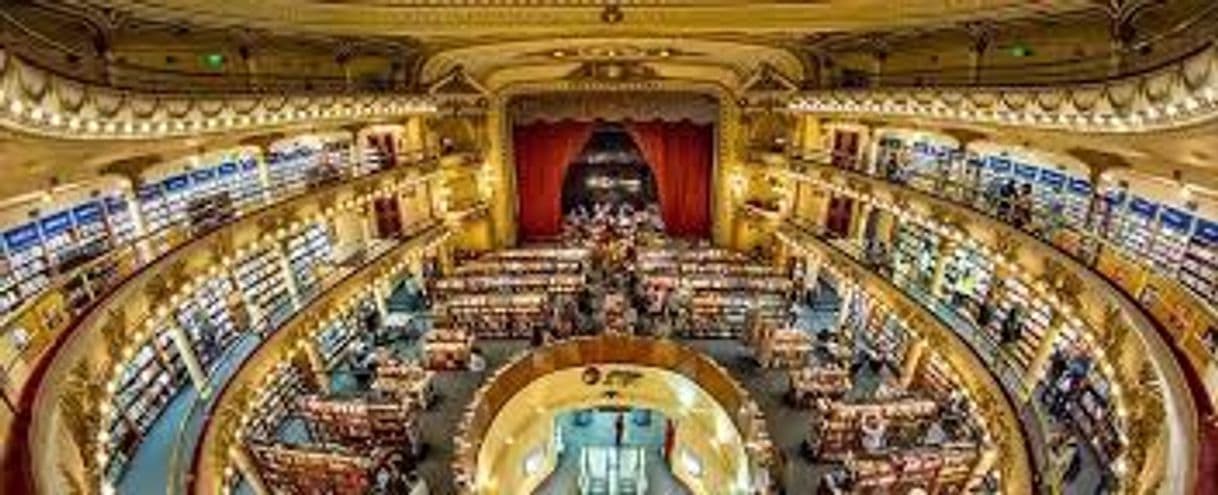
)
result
[(986, 386), (1174, 94), (35, 100), (84, 339), (70, 295), (220, 430), (205, 452), (1186, 38), (1183, 397), (49, 52)]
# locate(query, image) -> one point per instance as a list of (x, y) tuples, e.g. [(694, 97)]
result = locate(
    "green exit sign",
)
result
[(1021, 50), (214, 60)]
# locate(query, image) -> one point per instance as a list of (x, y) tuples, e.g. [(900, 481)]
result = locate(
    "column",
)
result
[(939, 278), (379, 295), (142, 247), (1036, 368), (446, 258), (912, 363), (413, 139), (289, 277), (864, 210), (846, 292), (317, 365), (248, 468), (811, 142), (189, 358), (264, 175)]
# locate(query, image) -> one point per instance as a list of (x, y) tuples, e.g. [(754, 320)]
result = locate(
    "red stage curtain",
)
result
[(543, 152), (681, 156)]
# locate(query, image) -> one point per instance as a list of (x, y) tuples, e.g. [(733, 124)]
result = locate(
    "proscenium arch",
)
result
[(568, 360), (500, 157)]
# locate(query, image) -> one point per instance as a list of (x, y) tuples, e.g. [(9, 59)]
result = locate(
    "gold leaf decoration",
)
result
[(80, 401)]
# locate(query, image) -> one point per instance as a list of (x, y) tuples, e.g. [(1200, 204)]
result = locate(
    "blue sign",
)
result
[(88, 212), (22, 238), (1026, 171), (1115, 196), (1052, 178), (115, 203), (1000, 164), (1175, 219), (1080, 187), (56, 223), (227, 168), (148, 192), (203, 175), (1143, 207), (1207, 230), (174, 184)]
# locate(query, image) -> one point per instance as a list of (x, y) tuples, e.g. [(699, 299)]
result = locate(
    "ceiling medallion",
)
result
[(612, 14)]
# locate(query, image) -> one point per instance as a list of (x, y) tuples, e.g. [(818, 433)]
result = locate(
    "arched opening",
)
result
[(610, 170)]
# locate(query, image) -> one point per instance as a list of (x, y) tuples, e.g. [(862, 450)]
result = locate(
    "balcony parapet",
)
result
[(36, 101), (1176, 95), (998, 407), (220, 434), (39, 444), (1097, 299)]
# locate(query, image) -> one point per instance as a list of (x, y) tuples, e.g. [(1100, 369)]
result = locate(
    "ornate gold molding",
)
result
[(34, 101), (1176, 96)]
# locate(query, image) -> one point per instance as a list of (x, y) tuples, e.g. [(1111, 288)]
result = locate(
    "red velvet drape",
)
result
[(543, 152), (681, 156)]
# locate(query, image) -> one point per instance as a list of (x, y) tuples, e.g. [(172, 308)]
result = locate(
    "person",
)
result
[(1012, 325), (477, 363), (619, 429), (670, 439), (985, 312), (1006, 198), (1062, 454), (418, 485), (382, 480), (1022, 213), (537, 338), (837, 482)]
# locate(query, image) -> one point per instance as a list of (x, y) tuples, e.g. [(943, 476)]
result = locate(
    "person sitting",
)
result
[(477, 363)]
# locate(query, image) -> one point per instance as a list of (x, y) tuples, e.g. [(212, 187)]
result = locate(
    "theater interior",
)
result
[(608, 247)]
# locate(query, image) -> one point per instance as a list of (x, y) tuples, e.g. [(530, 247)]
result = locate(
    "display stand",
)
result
[(318, 469), (445, 349)]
